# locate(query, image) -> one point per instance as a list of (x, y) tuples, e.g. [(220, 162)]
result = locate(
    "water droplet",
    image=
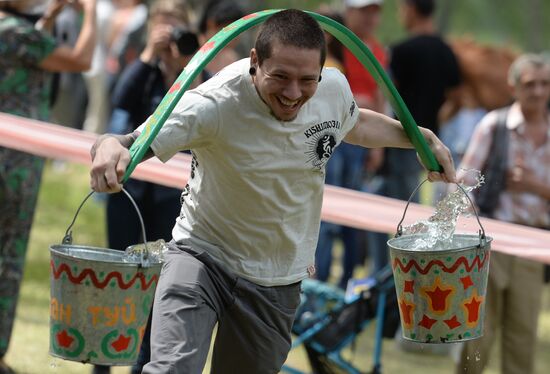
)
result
[(54, 364), (478, 356)]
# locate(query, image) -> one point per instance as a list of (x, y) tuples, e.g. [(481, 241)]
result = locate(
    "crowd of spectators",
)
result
[(104, 65)]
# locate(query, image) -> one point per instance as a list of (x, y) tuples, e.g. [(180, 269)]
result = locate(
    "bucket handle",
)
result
[(68, 238), (482, 238)]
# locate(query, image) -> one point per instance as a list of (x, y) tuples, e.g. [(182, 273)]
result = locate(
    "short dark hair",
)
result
[(291, 27), (222, 12), (423, 7)]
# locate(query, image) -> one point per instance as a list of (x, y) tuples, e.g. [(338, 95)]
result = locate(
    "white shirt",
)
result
[(254, 196)]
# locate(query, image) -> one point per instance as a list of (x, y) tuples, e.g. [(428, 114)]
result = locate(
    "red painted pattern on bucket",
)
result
[(461, 260), (64, 340), (122, 343), (77, 279)]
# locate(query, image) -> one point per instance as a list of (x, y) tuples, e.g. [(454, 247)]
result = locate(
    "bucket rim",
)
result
[(93, 361), (487, 246), (55, 249)]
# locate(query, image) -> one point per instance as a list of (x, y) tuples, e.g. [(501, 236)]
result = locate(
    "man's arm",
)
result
[(110, 158), (79, 57), (375, 130)]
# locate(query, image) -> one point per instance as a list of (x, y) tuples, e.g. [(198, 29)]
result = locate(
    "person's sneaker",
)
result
[(5, 369), (100, 369)]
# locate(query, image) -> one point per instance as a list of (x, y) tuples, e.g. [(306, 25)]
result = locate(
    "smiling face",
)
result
[(287, 79)]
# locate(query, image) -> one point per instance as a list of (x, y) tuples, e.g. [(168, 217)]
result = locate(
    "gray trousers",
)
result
[(193, 294)]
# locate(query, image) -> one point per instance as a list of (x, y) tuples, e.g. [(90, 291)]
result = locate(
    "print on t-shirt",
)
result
[(321, 145)]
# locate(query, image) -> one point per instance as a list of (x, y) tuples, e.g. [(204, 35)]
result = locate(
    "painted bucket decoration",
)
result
[(441, 293), (100, 301)]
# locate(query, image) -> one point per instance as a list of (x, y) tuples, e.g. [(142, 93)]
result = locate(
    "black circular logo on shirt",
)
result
[(325, 146)]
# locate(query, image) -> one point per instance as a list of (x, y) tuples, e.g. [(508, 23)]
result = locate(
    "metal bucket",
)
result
[(99, 302), (441, 293)]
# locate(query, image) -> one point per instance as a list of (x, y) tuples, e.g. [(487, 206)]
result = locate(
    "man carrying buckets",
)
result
[(518, 190), (261, 132)]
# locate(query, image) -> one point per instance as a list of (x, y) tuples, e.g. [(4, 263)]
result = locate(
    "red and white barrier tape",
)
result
[(341, 206)]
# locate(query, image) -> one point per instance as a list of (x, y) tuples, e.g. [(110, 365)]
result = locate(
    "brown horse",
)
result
[(484, 71)]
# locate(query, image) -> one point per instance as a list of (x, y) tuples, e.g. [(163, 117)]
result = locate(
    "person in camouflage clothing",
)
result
[(28, 56)]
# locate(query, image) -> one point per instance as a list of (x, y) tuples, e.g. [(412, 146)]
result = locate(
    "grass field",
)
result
[(63, 189)]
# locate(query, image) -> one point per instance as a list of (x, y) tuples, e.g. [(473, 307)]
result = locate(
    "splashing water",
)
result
[(156, 250), (438, 230)]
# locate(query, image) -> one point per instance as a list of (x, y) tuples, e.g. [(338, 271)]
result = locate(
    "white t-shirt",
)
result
[(255, 192)]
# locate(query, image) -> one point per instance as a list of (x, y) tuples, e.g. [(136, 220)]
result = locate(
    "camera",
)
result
[(186, 41)]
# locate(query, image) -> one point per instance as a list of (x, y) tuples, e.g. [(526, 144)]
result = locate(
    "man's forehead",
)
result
[(279, 48), (286, 59), (532, 72)]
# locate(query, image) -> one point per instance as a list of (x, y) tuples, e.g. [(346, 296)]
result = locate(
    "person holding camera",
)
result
[(169, 46)]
